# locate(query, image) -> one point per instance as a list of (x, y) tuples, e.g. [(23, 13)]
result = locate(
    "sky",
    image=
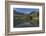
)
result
[(25, 10)]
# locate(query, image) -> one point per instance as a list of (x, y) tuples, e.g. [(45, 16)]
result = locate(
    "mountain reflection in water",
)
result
[(26, 19)]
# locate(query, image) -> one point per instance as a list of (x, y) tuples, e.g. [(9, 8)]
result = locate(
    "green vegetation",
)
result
[(35, 18)]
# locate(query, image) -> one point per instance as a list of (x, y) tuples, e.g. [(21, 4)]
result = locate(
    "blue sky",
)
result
[(25, 10)]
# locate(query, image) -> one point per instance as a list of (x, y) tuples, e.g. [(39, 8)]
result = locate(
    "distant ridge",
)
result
[(19, 13)]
